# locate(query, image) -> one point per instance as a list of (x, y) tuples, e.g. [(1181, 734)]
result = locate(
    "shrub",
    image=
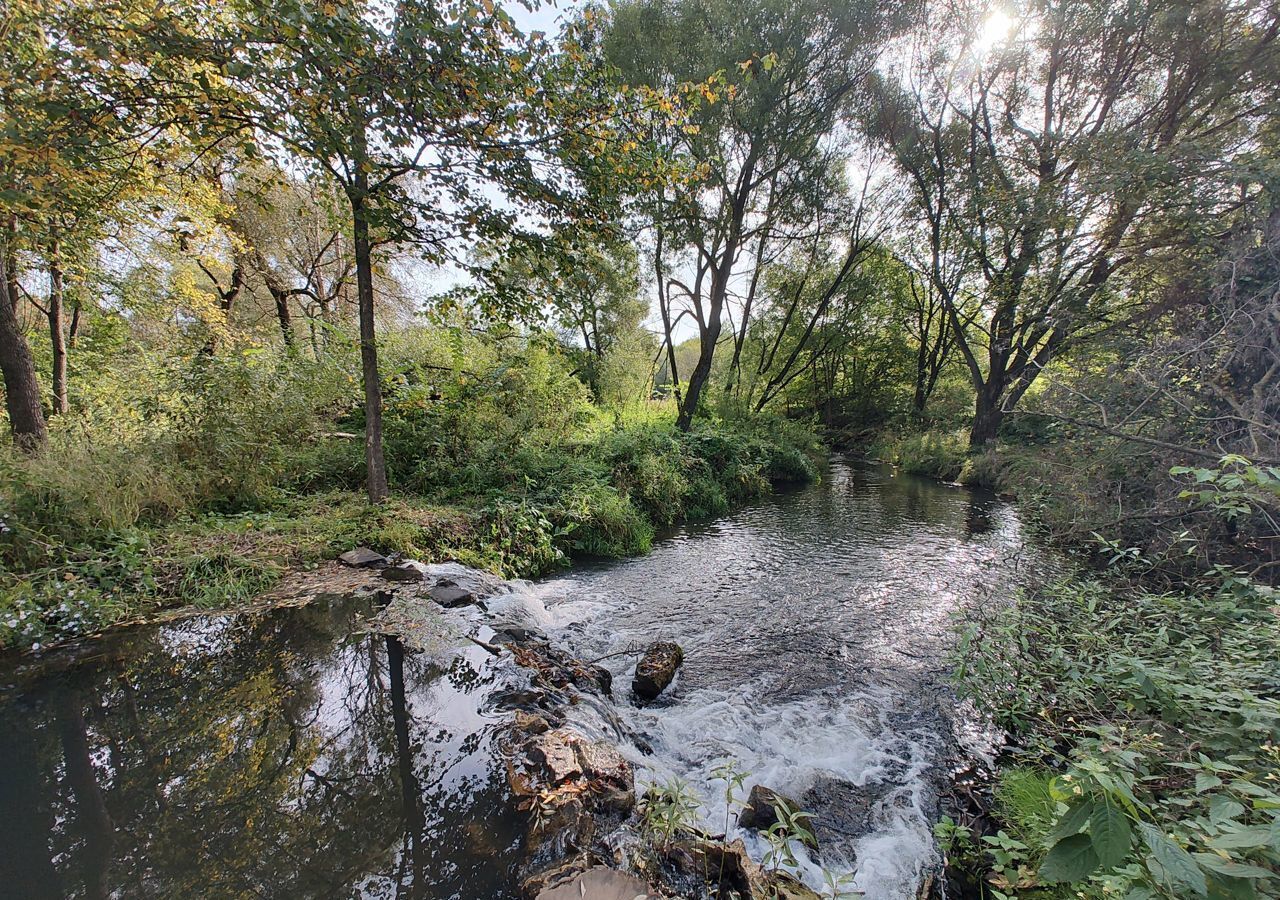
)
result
[(1151, 721), (933, 454), (596, 520)]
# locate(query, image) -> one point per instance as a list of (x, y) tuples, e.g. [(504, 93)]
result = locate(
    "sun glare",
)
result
[(994, 31)]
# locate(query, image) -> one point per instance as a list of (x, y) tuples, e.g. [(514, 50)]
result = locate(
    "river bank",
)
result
[(68, 569), (814, 665)]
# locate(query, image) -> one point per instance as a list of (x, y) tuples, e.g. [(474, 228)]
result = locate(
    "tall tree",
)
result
[(776, 78), (1065, 154), (90, 95), (439, 122)]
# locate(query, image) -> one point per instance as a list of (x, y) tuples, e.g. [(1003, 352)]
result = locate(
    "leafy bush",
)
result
[(934, 454), (1152, 721), (206, 488)]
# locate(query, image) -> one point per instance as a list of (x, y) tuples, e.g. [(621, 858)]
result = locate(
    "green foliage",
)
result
[(668, 809), (792, 825), (1235, 490), (1150, 725), (934, 454), (199, 480)]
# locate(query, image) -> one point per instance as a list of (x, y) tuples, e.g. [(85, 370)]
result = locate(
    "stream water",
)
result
[(292, 754)]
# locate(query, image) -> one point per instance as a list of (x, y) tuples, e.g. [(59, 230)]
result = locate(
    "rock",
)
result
[(761, 810), (784, 887), (593, 678), (562, 871), (842, 810), (516, 634), (404, 573), (449, 595), (532, 723), (600, 883), (363, 558), (554, 751), (727, 867), (656, 669)]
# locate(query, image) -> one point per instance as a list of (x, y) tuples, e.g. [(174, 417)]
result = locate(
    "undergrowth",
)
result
[(1147, 728), (210, 503)]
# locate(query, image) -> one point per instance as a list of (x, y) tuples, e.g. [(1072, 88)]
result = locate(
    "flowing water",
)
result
[(292, 754), (816, 629)]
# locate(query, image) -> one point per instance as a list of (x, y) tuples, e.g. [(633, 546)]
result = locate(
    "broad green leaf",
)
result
[(1222, 887), (1222, 809), (1206, 782), (1243, 839), (1070, 860), (1074, 820), (1175, 865), (1231, 868), (1112, 837)]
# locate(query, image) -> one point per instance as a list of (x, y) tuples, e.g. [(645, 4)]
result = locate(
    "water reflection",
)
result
[(278, 755)]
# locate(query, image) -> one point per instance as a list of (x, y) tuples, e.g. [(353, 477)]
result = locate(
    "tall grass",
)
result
[(205, 488)]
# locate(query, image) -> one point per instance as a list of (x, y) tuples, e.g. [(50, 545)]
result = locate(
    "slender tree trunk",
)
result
[(21, 387), (376, 466), (698, 377), (709, 330), (664, 308), (74, 331), (57, 334), (285, 317)]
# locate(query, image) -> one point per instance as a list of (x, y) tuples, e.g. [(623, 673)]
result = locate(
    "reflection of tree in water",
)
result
[(287, 761)]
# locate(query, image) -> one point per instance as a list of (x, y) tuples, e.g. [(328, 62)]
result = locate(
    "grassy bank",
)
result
[(237, 470), (1141, 696)]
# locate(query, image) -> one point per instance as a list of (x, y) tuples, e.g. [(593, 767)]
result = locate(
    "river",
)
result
[(292, 754)]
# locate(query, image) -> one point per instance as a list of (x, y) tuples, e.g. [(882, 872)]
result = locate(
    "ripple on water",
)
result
[(816, 627)]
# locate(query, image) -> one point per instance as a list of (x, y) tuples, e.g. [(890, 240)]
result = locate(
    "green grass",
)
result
[(83, 553)]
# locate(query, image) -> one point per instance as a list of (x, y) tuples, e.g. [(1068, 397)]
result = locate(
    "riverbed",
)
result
[(291, 753)]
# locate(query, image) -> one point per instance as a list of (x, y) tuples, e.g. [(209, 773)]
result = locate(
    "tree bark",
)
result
[(21, 386), (987, 417), (376, 478), (57, 334)]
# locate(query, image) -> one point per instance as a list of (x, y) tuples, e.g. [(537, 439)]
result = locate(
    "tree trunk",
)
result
[(987, 416), (57, 335), (285, 317), (375, 464), (698, 377), (22, 388)]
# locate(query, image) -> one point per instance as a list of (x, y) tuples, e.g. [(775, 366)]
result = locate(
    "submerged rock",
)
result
[(845, 810), (363, 558), (761, 810), (656, 669), (449, 595)]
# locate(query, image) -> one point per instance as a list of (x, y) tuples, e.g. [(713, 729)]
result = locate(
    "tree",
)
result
[(89, 103), (1095, 137), (775, 79), (591, 292), (22, 388), (439, 122)]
